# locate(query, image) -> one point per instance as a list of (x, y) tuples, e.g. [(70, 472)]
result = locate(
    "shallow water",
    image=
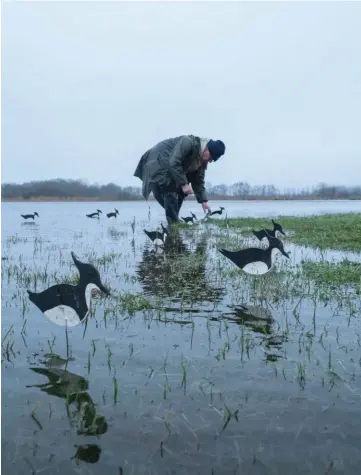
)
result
[(189, 385)]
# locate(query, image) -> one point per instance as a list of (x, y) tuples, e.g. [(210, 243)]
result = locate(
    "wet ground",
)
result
[(192, 366)]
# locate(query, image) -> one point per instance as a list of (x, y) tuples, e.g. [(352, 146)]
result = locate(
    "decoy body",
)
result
[(158, 237), (113, 214), (94, 215), (218, 211), (190, 219), (255, 261), (27, 216), (269, 232), (66, 304)]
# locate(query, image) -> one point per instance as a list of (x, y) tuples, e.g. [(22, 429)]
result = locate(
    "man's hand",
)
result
[(187, 190), (206, 207)]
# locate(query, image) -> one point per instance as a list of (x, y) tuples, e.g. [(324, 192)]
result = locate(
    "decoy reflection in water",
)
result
[(89, 453), (113, 214), (73, 388), (258, 318), (254, 260), (94, 215), (190, 219), (30, 216), (264, 233), (66, 304)]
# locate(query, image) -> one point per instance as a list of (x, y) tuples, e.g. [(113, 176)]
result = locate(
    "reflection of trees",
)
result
[(178, 272), (80, 407)]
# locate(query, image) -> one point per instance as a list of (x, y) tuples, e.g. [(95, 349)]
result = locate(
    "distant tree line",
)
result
[(69, 189), (61, 189), (242, 190)]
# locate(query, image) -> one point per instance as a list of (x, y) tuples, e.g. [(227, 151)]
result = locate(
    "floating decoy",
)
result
[(94, 215), (218, 211), (189, 219), (271, 232), (254, 260), (66, 304), (27, 216), (113, 214), (158, 237)]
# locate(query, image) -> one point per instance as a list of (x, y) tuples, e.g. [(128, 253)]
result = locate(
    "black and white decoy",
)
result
[(263, 233), (28, 216), (94, 215), (113, 214), (218, 211), (66, 304), (254, 260), (157, 237), (190, 219)]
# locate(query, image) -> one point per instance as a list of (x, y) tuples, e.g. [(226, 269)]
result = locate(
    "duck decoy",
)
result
[(254, 260), (66, 304), (218, 211), (158, 237), (272, 232), (113, 214), (27, 216), (94, 215), (190, 219)]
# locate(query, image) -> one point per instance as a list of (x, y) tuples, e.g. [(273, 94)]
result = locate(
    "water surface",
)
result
[(186, 384)]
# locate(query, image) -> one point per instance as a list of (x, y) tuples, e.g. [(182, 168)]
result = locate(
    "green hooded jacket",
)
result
[(176, 160)]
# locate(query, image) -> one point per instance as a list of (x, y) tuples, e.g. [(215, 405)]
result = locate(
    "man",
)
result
[(167, 169)]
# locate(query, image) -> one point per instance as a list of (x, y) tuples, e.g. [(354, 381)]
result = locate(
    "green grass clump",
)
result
[(343, 272), (134, 302), (327, 231)]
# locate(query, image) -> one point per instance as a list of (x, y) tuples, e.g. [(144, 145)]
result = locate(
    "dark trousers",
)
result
[(170, 199)]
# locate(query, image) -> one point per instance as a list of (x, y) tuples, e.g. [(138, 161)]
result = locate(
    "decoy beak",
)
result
[(104, 289), (285, 253)]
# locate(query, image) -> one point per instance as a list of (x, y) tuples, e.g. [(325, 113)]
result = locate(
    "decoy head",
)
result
[(99, 211), (36, 214), (89, 274), (221, 207), (278, 227), (194, 216), (116, 211), (275, 243)]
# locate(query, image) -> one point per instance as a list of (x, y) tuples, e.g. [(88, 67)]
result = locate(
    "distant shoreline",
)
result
[(226, 198)]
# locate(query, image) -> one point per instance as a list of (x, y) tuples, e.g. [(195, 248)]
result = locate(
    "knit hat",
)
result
[(216, 149)]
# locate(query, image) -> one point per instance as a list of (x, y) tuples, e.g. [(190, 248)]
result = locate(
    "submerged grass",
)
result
[(328, 231)]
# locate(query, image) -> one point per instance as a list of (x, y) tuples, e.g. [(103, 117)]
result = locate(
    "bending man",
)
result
[(170, 166)]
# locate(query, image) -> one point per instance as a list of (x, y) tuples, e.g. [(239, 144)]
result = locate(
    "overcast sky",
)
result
[(88, 87)]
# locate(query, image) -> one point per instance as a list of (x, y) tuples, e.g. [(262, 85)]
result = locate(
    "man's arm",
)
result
[(199, 187)]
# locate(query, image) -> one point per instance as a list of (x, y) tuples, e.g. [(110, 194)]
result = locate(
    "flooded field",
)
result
[(192, 366)]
